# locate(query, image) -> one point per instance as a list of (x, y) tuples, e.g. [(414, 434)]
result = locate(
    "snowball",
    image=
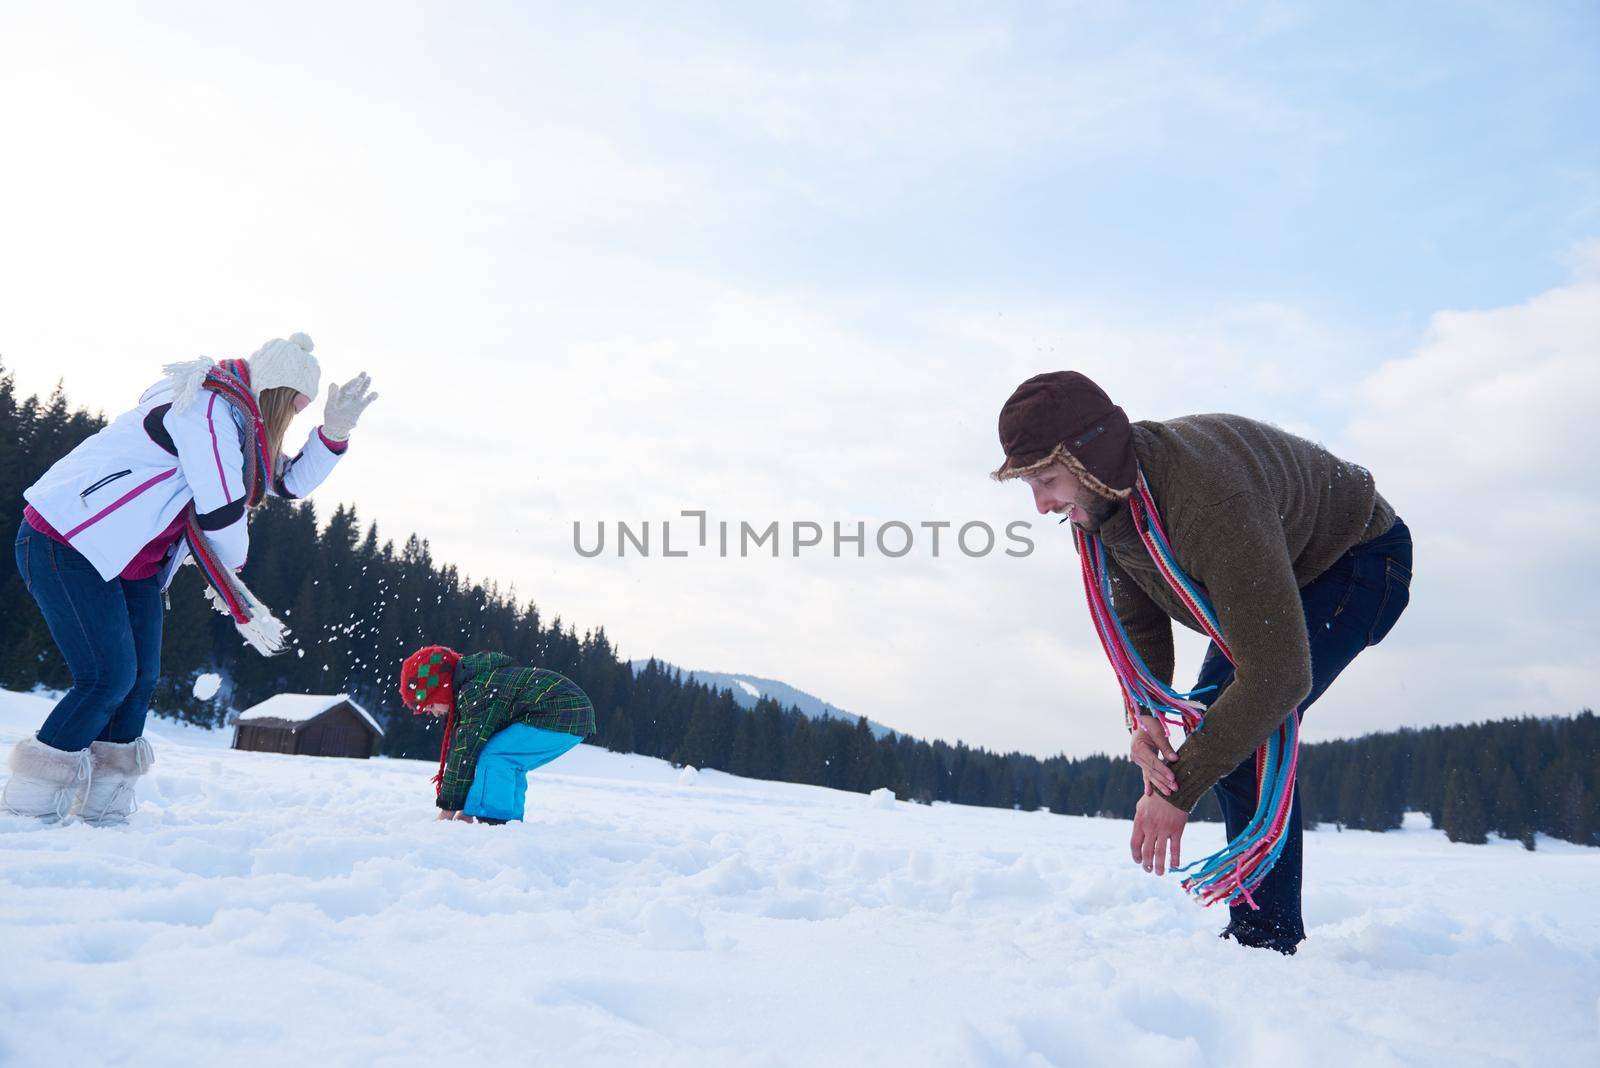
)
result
[(688, 775), (882, 797), (668, 927), (206, 686)]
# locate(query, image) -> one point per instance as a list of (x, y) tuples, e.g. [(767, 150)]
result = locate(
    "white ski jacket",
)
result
[(121, 488)]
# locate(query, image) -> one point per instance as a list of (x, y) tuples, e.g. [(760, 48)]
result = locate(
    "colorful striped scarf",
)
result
[(255, 622), (1231, 873)]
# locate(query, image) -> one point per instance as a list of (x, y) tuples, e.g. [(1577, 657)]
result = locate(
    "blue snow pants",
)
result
[(500, 785)]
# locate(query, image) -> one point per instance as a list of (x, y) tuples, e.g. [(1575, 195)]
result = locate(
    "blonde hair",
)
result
[(277, 412)]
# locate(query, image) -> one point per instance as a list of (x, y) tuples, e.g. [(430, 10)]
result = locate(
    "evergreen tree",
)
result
[(743, 759), (1083, 798), (1381, 805), (618, 735), (1028, 797), (1350, 796), (1509, 820), (767, 755), (923, 774), (701, 745), (892, 773), (1004, 791), (863, 769), (1124, 787), (1464, 816), (803, 760), (1578, 820), (1057, 788), (974, 785)]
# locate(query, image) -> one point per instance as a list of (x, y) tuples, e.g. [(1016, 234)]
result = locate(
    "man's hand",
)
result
[(462, 816), (1157, 830), (1152, 752)]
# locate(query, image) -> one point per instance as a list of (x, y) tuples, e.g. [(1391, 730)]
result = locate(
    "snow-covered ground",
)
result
[(266, 909)]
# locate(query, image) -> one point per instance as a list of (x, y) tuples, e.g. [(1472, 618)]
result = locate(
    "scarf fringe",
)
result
[(188, 378), (1233, 872), (228, 594)]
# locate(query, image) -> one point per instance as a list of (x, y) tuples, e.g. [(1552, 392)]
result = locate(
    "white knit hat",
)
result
[(286, 363)]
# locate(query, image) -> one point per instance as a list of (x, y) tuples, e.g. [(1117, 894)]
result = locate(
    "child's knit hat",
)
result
[(427, 677)]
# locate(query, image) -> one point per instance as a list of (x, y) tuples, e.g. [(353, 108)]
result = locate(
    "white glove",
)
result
[(345, 405)]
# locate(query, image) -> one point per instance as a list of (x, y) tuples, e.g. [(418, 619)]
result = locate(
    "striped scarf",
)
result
[(231, 380), (1231, 873), (444, 748)]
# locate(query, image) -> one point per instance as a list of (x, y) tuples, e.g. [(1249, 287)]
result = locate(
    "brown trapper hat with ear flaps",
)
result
[(1063, 416)]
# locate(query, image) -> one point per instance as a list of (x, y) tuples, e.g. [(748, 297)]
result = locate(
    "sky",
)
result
[(783, 263)]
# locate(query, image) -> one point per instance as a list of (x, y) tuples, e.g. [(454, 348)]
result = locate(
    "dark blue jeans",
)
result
[(109, 633), (1349, 607)]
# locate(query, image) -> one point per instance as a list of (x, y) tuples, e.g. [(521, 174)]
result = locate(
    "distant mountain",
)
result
[(748, 689)]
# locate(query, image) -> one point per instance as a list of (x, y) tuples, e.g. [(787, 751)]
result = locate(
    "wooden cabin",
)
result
[(308, 724)]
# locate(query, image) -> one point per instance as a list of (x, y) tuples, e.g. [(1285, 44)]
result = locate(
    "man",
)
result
[(501, 722), (1303, 562)]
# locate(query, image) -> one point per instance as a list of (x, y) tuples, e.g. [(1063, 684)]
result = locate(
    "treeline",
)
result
[(358, 604), (1512, 778)]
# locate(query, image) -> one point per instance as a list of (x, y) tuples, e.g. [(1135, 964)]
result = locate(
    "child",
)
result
[(174, 478), (502, 721)]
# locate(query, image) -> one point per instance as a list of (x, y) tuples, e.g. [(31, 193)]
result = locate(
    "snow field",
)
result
[(266, 909)]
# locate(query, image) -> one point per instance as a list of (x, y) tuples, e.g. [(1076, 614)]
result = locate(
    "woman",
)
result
[(107, 527)]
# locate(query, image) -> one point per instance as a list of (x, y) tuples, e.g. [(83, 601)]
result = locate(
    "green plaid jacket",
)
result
[(491, 694)]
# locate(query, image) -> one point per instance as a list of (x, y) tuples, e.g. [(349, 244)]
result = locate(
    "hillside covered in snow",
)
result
[(265, 909), (749, 690)]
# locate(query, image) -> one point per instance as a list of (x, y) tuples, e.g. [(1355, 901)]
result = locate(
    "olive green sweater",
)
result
[(1252, 513)]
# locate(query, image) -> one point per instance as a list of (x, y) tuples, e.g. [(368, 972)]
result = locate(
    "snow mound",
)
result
[(669, 927)]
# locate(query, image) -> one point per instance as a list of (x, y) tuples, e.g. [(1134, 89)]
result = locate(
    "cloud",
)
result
[(1482, 439)]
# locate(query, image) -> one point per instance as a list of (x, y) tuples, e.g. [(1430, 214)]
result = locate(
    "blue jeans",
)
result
[(109, 633), (1349, 607), (500, 783)]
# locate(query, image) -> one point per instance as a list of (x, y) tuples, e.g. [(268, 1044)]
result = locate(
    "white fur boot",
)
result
[(117, 767), (45, 782)]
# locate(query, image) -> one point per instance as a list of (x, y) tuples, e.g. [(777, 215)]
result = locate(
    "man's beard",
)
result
[(1091, 517)]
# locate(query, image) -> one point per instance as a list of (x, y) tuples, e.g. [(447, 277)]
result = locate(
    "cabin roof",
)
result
[(301, 708)]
